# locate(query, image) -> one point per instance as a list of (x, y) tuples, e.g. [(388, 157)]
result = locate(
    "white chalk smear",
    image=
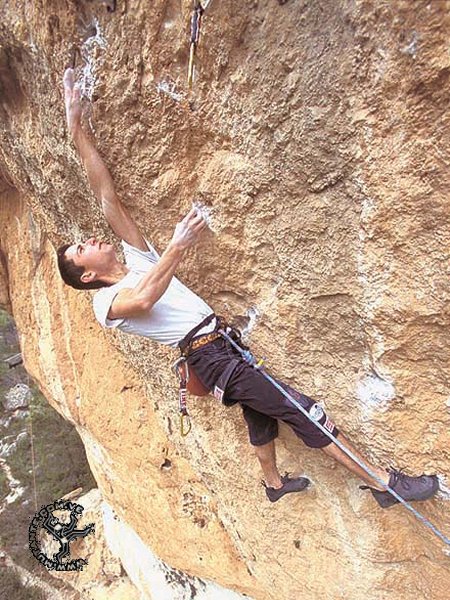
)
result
[(92, 59), (253, 314), (374, 391), (412, 47), (169, 88), (444, 489), (207, 213)]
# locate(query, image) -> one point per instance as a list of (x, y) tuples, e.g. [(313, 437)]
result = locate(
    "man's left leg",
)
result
[(335, 452), (408, 487)]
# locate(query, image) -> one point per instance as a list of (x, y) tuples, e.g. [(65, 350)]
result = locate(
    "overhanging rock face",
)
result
[(316, 136)]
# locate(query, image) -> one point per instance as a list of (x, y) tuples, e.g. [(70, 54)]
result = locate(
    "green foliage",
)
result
[(3, 369), (4, 489), (59, 453), (12, 587), (5, 319), (9, 345)]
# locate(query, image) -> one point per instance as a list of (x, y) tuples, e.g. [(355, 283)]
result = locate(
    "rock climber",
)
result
[(144, 297)]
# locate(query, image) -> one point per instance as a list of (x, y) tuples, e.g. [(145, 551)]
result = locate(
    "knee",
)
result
[(259, 451), (329, 448), (265, 452)]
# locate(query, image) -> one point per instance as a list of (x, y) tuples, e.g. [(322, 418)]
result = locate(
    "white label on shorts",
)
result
[(316, 412), (329, 425), (218, 393)]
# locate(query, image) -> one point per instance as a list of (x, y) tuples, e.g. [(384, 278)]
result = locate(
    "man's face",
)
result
[(94, 256)]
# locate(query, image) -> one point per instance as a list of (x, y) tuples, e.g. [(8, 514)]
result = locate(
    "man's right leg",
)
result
[(266, 455), (262, 432)]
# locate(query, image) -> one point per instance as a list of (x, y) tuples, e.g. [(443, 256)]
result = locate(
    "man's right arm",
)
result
[(137, 301)]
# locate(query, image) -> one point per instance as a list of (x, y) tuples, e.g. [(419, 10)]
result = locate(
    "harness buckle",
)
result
[(181, 369)]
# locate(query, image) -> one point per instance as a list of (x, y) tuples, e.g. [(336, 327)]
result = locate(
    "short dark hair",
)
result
[(71, 273)]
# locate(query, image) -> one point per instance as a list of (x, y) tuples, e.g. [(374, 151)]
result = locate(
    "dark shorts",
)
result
[(261, 402)]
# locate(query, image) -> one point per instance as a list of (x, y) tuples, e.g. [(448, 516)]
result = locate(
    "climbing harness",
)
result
[(182, 371), (196, 21), (250, 359), (187, 377), (185, 345), (188, 380)]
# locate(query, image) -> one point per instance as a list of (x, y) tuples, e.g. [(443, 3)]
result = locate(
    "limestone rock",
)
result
[(120, 565), (315, 135), (17, 397)]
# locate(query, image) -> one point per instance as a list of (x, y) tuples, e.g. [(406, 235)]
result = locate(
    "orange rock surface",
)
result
[(316, 133)]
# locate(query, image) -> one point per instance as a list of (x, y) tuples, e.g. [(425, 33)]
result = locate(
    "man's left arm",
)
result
[(99, 177)]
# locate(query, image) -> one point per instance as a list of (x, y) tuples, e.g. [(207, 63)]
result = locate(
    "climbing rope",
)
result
[(33, 462), (250, 359)]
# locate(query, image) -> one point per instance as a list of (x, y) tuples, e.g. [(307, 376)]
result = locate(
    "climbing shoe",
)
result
[(409, 488), (297, 484)]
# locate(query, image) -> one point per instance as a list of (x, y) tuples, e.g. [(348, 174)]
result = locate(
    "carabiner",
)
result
[(185, 420)]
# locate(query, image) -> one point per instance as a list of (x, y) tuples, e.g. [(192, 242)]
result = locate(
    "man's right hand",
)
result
[(138, 301), (72, 97), (188, 230)]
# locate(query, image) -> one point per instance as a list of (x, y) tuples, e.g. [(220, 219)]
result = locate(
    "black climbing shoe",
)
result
[(297, 484), (409, 488)]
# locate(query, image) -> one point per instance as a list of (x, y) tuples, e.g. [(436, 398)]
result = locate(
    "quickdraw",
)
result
[(181, 369), (196, 21), (74, 54)]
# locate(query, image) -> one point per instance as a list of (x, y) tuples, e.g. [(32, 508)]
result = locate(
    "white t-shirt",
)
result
[(171, 318)]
